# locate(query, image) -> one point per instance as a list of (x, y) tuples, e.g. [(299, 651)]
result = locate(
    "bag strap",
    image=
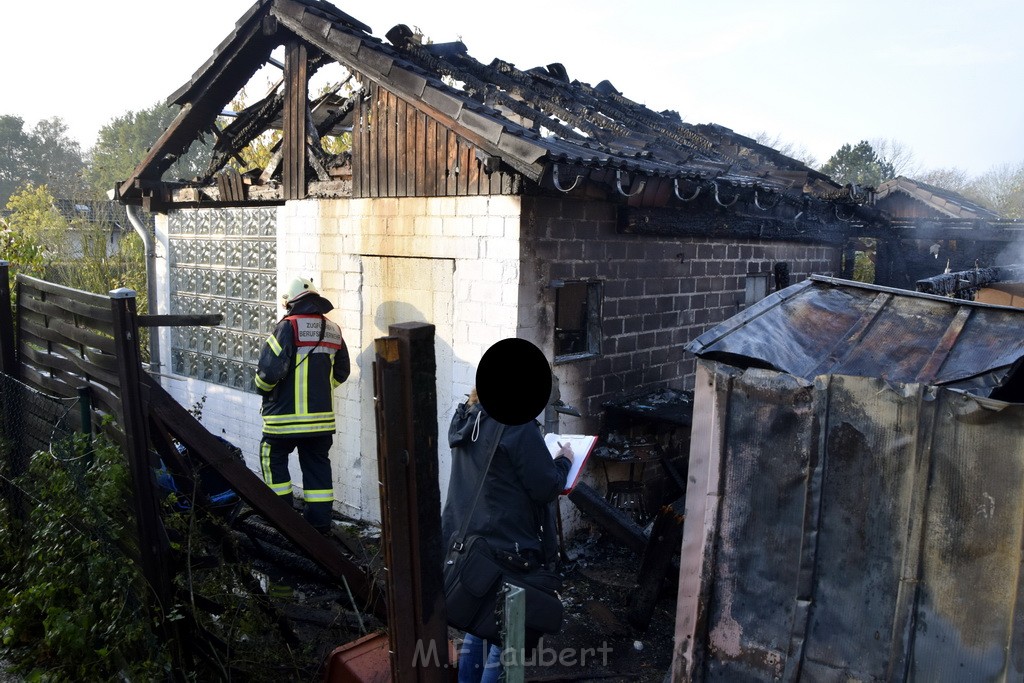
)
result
[(461, 538)]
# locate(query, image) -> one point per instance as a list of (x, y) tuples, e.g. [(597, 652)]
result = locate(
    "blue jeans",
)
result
[(472, 667)]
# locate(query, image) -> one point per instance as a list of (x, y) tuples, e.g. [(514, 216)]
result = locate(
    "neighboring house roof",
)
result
[(106, 212), (828, 326), (538, 122), (944, 202)]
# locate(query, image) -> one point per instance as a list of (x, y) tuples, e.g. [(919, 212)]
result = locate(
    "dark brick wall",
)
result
[(659, 293)]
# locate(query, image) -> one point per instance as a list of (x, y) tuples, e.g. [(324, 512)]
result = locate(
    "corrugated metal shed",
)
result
[(829, 326)]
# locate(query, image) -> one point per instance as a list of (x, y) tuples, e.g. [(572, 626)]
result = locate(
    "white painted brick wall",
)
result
[(484, 293), (328, 240)]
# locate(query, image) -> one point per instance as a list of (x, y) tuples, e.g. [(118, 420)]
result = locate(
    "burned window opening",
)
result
[(577, 320)]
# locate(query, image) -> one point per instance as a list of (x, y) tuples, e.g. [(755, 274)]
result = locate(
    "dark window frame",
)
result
[(581, 341)]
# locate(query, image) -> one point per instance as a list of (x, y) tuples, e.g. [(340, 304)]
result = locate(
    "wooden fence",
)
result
[(72, 344), (68, 343)]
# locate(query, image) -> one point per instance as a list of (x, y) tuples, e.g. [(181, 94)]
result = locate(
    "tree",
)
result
[(858, 165), (125, 141), (787, 148), (33, 214), (43, 156), (896, 155), (19, 243), (15, 156), (1001, 189), (952, 179)]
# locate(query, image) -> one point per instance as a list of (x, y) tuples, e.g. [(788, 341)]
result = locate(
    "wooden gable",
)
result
[(399, 151)]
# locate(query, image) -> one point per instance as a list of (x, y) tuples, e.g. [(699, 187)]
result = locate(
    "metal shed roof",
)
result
[(825, 325)]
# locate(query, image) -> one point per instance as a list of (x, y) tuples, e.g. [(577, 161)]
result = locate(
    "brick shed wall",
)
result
[(659, 293)]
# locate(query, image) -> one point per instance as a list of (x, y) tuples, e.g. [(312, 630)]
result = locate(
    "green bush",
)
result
[(73, 604)]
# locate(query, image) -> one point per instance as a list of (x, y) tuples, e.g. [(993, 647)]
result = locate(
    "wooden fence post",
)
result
[(8, 403), (405, 387), (6, 322), (154, 550)]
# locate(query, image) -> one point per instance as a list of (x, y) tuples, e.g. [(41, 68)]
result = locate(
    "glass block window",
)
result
[(222, 261)]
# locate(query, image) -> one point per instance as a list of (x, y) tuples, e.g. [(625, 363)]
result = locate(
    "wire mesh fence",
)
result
[(34, 422)]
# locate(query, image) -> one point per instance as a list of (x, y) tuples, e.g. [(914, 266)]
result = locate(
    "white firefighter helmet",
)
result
[(297, 288)]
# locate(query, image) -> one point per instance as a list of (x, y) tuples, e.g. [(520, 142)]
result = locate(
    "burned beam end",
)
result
[(608, 517)]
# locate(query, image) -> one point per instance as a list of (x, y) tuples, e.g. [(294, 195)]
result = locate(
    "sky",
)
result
[(943, 79)]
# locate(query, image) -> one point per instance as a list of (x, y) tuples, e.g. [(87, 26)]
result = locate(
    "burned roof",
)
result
[(824, 325), (944, 202), (539, 122)]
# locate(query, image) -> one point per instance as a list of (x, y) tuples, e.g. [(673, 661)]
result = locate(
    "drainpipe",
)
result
[(149, 244)]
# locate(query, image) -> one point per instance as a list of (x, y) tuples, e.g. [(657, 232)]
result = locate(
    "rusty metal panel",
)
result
[(868, 482), (969, 612), (828, 326), (853, 529), (759, 535)]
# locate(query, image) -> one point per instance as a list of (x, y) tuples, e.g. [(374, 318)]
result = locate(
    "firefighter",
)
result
[(300, 365)]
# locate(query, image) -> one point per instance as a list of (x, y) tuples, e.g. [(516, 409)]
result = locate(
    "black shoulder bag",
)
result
[(474, 574)]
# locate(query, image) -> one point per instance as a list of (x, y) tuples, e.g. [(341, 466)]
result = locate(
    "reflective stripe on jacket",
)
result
[(300, 365)]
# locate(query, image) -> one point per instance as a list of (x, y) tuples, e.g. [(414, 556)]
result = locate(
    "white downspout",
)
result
[(149, 244)]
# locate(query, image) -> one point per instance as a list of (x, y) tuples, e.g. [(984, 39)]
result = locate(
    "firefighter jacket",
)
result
[(300, 365)]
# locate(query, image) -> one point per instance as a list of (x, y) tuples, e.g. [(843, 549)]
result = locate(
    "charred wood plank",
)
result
[(202, 319), (202, 101), (945, 230), (713, 223), (209, 449), (406, 412), (315, 155), (249, 124), (608, 517), (230, 186), (7, 344), (293, 173), (656, 565)]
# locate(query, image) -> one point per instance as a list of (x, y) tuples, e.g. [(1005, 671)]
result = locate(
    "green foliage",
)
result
[(858, 165), (98, 268), (72, 607), (34, 215), (77, 253), (126, 140), (75, 606), (864, 267), (20, 243), (44, 155)]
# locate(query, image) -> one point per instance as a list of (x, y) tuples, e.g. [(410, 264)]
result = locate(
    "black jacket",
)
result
[(299, 366), (514, 511)]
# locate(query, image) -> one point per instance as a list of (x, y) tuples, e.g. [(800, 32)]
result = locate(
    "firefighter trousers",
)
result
[(315, 463)]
